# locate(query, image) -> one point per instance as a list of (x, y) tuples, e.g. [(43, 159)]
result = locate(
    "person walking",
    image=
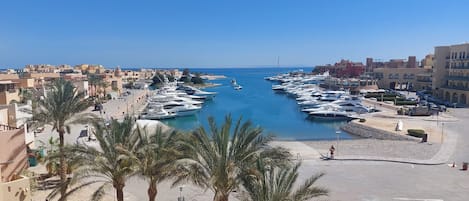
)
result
[(331, 150)]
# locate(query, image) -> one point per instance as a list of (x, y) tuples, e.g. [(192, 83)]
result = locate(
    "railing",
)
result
[(423, 80), (7, 127), (456, 87), (459, 67), (453, 77)]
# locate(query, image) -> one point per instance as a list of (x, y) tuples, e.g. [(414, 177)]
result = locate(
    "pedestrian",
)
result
[(332, 149)]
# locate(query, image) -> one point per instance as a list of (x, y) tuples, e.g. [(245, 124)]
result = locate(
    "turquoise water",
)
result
[(276, 113)]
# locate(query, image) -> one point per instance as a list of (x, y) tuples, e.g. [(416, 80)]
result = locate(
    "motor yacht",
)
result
[(197, 92), (331, 95), (330, 115), (157, 113), (184, 110)]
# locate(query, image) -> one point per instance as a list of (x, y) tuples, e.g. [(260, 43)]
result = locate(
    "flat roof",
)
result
[(7, 82)]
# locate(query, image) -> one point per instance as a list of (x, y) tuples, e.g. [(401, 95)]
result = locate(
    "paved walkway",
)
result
[(414, 153), (299, 150)]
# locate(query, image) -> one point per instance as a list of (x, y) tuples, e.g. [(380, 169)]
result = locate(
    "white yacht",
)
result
[(331, 95), (184, 110), (157, 113), (197, 92), (351, 106), (309, 103), (330, 115)]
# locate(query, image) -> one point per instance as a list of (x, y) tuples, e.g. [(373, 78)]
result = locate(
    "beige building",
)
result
[(90, 68), (402, 78), (9, 91), (427, 62), (451, 73), (13, 160)]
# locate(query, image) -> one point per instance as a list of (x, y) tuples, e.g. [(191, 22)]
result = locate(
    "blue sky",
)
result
[(218, 33)]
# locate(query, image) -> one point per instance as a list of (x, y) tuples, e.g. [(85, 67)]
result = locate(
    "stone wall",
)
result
[(364, 131)]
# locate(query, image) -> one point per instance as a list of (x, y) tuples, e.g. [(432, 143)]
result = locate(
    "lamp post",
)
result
[(338, 138), (442, 126), (180, 198)]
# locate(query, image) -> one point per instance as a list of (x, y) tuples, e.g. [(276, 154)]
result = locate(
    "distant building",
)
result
[(411, 62), (342, 69), (451, 73), (402, 78), (354, 85), (427, 62)]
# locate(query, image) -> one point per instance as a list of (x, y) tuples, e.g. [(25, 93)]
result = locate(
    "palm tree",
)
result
[(275, 183), (218, 159), (155, 155), (98, 83), (106, 164), (62, 108)]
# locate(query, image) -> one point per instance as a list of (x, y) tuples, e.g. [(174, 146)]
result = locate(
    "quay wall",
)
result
[(364, 131)]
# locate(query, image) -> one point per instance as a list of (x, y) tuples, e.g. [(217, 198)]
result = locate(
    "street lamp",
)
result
[(180, 198), (338, 138), (442, 126)]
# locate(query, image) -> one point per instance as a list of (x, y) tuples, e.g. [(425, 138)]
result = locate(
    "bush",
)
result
[(416, 133), (378, 96), (362, 120), (406, 102), (390, 99), (197, 80)]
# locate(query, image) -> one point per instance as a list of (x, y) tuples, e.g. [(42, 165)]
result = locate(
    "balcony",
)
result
[(424, 80), (464, 78), (459, 67), (456, 87)]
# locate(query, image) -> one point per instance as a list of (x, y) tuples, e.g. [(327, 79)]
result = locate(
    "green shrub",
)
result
[(390, 99), (362, 120), (406, 102), (378, 96), (416, 132)]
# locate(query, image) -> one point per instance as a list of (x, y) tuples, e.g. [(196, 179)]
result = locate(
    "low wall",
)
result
[(362, 130), (17, 190)]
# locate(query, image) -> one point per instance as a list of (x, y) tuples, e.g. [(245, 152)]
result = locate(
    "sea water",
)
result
[(276, 113)]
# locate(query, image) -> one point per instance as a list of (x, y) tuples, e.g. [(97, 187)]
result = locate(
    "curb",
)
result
[(390, 160)]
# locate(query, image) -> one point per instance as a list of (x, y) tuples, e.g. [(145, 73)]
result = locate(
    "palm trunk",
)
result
[(220, 196), (119, 191), (63, 168), (152, 190)]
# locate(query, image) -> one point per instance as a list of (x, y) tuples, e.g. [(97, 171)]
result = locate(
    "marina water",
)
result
[(275, 113)]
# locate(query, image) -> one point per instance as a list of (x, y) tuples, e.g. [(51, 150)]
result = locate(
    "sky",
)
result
[(219, 33)]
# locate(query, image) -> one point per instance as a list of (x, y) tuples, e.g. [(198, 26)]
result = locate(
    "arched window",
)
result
[(447, 96), (454, 99), (462, 99)]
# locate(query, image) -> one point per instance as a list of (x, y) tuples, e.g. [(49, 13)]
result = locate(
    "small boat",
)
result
[(238, 87), (233, 82)]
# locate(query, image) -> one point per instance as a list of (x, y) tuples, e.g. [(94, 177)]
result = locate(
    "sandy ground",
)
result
[(387, 120), (379, 148)]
